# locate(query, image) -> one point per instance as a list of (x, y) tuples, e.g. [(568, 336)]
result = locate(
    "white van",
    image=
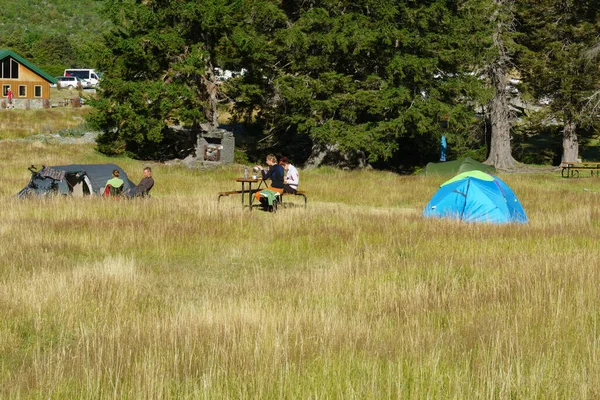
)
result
[(87, 74)]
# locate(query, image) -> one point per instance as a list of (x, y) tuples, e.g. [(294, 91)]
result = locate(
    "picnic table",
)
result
[(250, 191), (570, 169), (244, 190)]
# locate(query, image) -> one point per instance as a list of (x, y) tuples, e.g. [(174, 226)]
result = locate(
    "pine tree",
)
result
[(160, 70), (366, 75), (554, 38), (502, 20)]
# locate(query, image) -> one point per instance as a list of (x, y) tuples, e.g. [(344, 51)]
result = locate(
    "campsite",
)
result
[(173, 297), (441, 243)]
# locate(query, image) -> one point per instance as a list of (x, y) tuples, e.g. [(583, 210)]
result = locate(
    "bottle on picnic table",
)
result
[(245, 172)]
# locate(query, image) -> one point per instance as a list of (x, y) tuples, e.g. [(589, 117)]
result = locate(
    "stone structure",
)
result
[(27, 103), (215, 146)]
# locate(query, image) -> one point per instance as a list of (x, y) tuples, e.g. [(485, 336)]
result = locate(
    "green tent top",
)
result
[(10, 53), (473, 174), (456, 167)]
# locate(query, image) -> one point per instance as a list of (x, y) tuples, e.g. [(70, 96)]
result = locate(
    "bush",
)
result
[(77, 131), (240, 156)]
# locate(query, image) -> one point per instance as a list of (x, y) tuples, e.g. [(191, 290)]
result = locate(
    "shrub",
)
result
[(240, 156)]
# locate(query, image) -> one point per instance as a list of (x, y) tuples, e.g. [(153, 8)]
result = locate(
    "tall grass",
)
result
[(355, 297), (21, 123)]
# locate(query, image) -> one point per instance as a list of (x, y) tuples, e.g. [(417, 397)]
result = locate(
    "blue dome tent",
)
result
[(475, 196)]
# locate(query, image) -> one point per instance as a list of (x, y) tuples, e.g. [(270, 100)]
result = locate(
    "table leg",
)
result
[(243, 189), (250, 195)]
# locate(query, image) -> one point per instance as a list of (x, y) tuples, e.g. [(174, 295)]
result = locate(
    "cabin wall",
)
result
[(23, 89)]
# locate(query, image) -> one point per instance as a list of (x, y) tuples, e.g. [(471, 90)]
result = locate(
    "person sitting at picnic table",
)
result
[(291, 179), (114, 186), (275, 173), (143, 188)]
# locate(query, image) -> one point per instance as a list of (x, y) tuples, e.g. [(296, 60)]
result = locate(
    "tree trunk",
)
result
[(500, 151), (570, 142), (212, 91), (500, 154)]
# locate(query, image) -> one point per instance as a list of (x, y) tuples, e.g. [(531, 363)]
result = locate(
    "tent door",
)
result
[(78, 187)]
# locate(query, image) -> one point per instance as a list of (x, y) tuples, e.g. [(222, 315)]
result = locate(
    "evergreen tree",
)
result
[(554, 38), (502, 28), (366, 75), (160, 70)]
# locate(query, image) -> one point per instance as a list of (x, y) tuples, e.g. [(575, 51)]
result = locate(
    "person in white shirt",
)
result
[(291, 177)]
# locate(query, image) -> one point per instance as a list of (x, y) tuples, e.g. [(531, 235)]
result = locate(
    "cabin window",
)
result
[(14, 69), (5, 89), (9, 69), (6, 68), (37, 91), (22, 90)]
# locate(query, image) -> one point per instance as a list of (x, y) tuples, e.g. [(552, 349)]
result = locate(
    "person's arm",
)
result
[(268, 174)]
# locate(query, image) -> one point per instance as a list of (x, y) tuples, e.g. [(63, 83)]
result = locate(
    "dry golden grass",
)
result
[(20, 123), (355, 297)]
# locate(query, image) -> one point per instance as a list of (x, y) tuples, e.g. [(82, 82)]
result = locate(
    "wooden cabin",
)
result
[(30, 85)]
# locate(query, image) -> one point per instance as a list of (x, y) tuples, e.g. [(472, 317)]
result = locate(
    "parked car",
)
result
[(71, 82), (87, 74)]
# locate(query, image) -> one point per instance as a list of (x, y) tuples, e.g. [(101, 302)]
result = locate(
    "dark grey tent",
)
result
[(74, 180), (456, 167)]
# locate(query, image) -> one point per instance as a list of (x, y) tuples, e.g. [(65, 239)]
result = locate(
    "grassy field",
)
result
[(20, 123), (355, 297)]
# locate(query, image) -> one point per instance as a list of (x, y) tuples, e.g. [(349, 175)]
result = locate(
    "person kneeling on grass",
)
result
[(275, 173), (143, 188)]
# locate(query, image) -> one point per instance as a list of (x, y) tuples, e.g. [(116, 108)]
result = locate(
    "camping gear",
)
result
[(475, 196), (456, 167), (443, 145), (74, 180), (271, 196)]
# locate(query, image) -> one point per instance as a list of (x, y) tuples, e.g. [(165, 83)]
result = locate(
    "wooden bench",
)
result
[(225, 194), (221, 194), (571, 169), (298, 193)]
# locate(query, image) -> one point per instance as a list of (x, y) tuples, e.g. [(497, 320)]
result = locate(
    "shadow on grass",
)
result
[(590, 149)]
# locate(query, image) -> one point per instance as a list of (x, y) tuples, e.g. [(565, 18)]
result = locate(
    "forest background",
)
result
[(374, 81)]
